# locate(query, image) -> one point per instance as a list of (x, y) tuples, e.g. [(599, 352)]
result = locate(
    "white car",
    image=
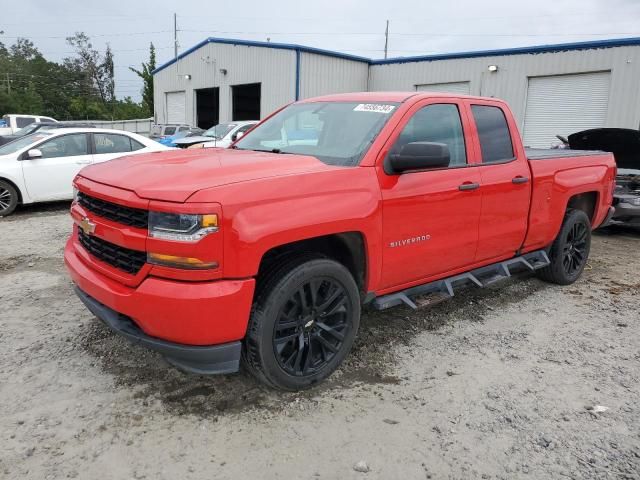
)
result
[(220, 136), (40, 167)]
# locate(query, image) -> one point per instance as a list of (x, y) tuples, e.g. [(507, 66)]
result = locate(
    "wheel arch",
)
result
[(347, 248), (14, 185), (585, 201)]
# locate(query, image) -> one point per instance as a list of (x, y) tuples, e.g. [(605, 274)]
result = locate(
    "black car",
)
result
[(624, 143), (34, 127)]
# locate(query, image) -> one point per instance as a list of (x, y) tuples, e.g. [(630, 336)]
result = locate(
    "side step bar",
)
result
[(443, 289)]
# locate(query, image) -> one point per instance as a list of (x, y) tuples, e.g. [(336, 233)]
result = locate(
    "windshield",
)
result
[(337, 133), (22, 142), (219, 131)]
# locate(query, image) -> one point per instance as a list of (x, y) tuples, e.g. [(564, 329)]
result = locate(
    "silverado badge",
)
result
[(87, 226)]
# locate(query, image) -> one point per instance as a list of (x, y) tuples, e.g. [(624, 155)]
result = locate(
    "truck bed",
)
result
[(549, 153)]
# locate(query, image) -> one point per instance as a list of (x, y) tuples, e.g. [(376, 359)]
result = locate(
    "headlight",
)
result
[(181, 227), (633, 201)]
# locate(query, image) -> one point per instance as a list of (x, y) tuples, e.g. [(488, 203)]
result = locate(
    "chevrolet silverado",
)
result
[(266, 252)]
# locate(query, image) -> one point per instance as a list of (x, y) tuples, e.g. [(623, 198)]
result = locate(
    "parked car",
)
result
[(624, 143), (34, 127), (267, 250), (191, 132), (40, 167), (159, 132), (13, 123), (220, 136)]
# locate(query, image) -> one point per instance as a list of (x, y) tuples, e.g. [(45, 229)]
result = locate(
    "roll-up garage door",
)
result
[(452, 87), (176, 106), (564, 104)]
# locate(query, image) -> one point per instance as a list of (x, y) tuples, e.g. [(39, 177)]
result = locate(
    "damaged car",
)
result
[(624, 143)]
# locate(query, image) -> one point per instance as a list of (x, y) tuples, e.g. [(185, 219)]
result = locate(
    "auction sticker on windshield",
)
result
[(374, 107)]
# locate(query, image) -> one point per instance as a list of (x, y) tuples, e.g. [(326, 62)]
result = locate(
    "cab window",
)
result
[(493, 132), (22, 122), (438, 123)]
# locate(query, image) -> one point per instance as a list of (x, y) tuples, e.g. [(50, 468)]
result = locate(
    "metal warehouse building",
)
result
[(552, 89)]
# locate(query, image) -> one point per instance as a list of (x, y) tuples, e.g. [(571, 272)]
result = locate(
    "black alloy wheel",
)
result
[(304, 320), (311, 326), (570, 250), (574, 252)]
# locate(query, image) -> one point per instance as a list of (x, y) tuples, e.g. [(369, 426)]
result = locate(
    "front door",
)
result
[(430, 217), (49, 177)]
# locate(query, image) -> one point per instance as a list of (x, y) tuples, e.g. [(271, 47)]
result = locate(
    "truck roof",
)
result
[(387, 97)]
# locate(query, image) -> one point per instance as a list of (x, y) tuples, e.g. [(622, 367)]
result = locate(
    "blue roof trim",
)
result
[(560, 47), (251, 43)]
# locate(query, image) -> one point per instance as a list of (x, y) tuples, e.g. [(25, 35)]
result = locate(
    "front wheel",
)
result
[(303, 324), (570, 250)]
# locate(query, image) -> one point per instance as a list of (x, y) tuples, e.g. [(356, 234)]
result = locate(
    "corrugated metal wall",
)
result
[(273, 68), (322, 75), (511, 80)]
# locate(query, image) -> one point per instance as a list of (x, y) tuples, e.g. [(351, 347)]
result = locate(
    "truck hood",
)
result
[(175, 175)]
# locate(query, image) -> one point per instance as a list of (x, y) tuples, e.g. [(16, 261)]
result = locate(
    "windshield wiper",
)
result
[(273, 150)]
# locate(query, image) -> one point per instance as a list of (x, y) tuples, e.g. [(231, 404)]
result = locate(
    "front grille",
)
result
[(133, 217), (130, 261)]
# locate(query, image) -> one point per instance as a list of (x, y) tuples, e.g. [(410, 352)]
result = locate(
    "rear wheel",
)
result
[(305, 319), (570, 250), (8, 199)]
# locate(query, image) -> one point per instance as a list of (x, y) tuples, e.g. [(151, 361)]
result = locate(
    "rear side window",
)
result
[(111, 143), (22, 122), (169, 130), (493, 131)]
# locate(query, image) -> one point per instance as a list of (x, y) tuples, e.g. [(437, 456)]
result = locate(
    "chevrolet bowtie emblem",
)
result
[(87, 226)]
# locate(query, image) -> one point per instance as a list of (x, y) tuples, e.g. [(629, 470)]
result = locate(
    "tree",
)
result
[(98, 70), (146, 74), (82, 87)]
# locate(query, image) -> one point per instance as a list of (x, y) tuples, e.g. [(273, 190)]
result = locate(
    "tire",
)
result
[(303, 323), (570, 250), (8, 199)]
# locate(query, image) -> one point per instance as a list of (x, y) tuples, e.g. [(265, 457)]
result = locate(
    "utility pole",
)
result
[(386, 40), (175, 35), (8, 85)]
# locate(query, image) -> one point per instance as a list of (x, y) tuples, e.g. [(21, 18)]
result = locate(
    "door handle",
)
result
[(519, 179), (83, 162), (469, 186)]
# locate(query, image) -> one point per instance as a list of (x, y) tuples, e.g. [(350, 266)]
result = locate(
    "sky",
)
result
[(416, 27)]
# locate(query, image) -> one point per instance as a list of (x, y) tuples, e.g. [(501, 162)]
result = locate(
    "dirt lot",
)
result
[(497, 383)]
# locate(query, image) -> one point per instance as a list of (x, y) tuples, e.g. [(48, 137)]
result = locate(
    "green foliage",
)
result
[(79, 88), (146, 74)]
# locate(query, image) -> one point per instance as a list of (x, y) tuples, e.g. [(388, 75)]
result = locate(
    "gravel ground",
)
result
[(502, 383)]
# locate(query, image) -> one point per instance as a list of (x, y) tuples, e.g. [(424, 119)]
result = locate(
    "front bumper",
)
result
[(209, 360), (626, 213), (170, 316)]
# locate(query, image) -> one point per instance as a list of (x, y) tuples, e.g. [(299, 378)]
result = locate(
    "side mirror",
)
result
[(34, 153), (419, 156)]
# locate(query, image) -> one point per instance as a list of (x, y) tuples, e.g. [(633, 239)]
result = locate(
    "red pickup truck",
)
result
[(267, 251)]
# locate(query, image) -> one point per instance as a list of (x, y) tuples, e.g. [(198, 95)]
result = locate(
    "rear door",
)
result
[(430, 217), (50, 177), (107, 146), (506, 182)]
